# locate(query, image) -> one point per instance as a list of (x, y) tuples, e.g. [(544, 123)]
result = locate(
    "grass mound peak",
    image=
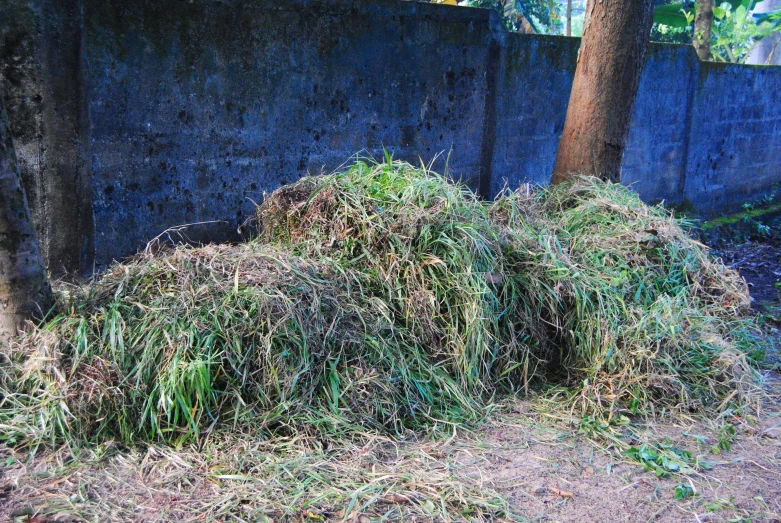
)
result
[(386, 297)]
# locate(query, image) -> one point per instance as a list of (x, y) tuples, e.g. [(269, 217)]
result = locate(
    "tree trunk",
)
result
[(569, 17), (25, 292), (703, 29), (610, 60)]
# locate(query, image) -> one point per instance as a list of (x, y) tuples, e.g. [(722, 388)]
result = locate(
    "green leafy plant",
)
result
[(662, 458), (736, 29), (543, 15), (726, 436), (671, 35), (673, 15), (750, 217), (683, 491), (736, 32)]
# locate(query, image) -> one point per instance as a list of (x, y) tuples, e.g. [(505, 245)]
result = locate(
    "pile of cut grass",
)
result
[(387, 298), (583, 280), (168, 345)]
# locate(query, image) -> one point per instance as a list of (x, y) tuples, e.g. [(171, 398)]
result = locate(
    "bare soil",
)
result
[(744, 483), (539, 463), (760, 264)]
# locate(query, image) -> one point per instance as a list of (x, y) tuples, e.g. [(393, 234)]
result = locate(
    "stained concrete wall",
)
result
[(735, 135), (196, 109), (42, 83), (164, 112), (532, 93)]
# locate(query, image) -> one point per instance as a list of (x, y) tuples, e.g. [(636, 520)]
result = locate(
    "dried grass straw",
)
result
[(387, 298)]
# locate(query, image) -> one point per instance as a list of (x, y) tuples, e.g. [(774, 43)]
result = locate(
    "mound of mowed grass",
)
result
[(387, 298)]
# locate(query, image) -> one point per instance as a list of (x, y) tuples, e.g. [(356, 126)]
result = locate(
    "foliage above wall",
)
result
[(737, 28), (522, 16)]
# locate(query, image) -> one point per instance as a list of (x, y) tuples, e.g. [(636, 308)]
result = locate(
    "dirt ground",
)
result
[(760, 264), (542, 464), (744, 483), (544, 469)]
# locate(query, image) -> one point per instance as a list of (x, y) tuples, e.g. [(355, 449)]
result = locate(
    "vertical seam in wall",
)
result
[(63, 125), (687, 128), (39, 174), (489, 120), (86, 224)]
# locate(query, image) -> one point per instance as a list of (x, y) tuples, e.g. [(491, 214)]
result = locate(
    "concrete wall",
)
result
[(532, 93), (735, 135), (196, 109), (42, 82), (164, 112)]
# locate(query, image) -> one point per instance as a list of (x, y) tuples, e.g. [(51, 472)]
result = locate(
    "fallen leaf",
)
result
[(396, 498), (562, 493)]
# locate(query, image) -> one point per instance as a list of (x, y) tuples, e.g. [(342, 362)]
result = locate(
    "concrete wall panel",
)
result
[(148, 114)]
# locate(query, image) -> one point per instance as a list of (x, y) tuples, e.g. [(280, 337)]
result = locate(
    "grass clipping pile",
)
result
[(387, 298)]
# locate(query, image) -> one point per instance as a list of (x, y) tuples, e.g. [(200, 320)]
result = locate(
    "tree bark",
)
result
[(25, 292), (703, 29), (610, 60)]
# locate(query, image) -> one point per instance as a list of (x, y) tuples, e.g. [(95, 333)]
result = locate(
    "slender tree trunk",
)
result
[(703, 29), (569, 17), (611, 58), (25, 292)]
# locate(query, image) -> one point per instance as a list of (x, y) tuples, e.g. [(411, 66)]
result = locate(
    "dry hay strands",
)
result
[(243, 335), (388, 298), (581, 280)]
